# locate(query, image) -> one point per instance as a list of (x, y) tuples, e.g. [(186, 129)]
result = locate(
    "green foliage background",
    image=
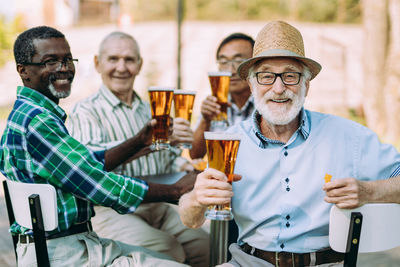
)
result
[(8, 31), (328, 11)]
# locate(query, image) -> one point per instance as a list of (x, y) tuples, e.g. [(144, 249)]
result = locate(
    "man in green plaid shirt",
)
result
[(36, 148)]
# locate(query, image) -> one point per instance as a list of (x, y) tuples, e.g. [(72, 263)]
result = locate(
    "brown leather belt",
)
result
[(288, 259), (74, 229)]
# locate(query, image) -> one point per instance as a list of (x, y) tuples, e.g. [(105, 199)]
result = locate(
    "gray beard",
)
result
[(58, 94)]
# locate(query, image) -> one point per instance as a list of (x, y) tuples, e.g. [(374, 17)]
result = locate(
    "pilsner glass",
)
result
[(183, 102), (219, 81), (160, 103), (222, 150)]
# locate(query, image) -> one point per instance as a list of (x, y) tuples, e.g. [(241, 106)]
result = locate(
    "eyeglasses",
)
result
[(54, 64), (224, 63), (288, 78)]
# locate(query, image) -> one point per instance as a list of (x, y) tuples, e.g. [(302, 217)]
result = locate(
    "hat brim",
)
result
[(243, 69)]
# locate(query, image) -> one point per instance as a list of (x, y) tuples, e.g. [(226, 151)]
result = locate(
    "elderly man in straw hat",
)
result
[(281, 200)]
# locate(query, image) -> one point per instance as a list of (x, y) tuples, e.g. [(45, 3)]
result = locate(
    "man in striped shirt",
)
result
[(114, 114), (36, 148)]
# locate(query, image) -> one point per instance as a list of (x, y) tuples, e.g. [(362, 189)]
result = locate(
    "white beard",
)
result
[(280, 116), (58, 94)]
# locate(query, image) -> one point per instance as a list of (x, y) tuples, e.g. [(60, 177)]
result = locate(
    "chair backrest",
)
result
[(19, 193), (380, 227)]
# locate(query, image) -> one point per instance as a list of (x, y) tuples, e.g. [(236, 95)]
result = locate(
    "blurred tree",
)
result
[(381, 20), (346, 11), (8, 30)]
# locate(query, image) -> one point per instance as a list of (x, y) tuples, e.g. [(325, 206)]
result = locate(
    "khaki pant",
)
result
[(87, 249), (155, 226), (242, 259)]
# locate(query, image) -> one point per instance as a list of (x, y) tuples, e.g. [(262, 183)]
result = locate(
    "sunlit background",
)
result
[(355, 41)]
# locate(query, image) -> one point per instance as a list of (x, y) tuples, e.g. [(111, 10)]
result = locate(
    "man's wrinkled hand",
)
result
[(347, 193)]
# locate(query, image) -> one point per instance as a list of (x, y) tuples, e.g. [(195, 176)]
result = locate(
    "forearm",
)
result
[(162, 193), (128, 150), (199, 144), (190, 211), (387, 190)]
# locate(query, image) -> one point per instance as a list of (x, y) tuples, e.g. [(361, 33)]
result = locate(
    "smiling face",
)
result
[(118, 64), (279, 104), (53, 83), (237, 49)]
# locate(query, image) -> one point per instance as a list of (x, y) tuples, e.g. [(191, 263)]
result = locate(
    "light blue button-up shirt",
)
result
[(278, 205)]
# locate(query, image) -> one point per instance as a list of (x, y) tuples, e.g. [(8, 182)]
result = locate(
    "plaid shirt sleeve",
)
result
[(70, 166)]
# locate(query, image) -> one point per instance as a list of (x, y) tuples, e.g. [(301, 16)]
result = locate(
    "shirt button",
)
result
[(285, 153), (285, 147), (288, 188), (288, 217), (282, 246), (287, 180), (287, 224)]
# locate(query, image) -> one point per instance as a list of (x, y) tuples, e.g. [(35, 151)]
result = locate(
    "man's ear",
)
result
[(307, 86), (96, 63), (141, 64), (21, 69)]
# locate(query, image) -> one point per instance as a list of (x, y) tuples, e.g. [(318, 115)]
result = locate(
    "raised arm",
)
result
[(211, 188), (209, 109)]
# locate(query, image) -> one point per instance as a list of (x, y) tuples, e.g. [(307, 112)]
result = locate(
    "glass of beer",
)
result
[(183, 103), (160, 103), (219, 81), (222, 150)]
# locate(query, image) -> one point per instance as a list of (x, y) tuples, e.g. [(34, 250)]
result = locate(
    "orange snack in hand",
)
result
[(328, 178)]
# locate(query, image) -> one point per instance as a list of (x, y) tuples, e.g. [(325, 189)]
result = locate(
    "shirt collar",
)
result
[(304, 128), (41, 100), (249, 103), (113, 101)]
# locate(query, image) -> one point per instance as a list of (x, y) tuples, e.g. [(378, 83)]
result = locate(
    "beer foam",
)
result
[(222, 136), (184, 92), (160, 88), (219, 73)]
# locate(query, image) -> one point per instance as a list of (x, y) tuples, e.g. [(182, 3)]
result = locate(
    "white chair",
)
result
[(26, 203), (370, 228)]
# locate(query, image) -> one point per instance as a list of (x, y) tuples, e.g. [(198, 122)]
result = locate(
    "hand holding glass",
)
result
[(183, 103), (222, 150), (219, 82), (160, 103)]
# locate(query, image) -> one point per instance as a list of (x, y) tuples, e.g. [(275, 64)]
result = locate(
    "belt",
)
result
[(74, 229), (283, 259)]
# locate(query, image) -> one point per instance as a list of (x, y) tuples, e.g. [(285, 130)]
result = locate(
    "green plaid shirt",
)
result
[(36, 148)]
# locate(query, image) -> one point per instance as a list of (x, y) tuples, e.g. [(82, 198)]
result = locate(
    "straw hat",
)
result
[(278, 39)]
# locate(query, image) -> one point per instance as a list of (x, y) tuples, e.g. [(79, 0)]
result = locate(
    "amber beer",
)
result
[(219, 82), (160, 103), (222, 149), (183, 102)]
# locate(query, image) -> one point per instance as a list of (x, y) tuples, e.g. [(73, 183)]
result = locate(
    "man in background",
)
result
[(232, 51), (114, 114)]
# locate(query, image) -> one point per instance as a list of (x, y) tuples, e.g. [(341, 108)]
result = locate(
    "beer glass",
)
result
[(219, 81), (160, 103), (222, 150), (183, 103)]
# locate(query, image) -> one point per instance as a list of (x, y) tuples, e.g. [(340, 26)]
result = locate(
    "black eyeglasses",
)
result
[(288, 78), (54, 64), (225, 63)]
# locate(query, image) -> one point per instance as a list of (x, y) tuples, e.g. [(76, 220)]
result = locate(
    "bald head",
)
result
[(117, 35)]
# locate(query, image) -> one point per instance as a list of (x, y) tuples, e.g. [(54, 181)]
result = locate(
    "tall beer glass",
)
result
[(160, 103), (183, 103), (219, 81), (222, 150)]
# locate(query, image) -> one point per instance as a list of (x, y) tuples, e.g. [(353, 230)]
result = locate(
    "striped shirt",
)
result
[(36, 148), (102, 121)]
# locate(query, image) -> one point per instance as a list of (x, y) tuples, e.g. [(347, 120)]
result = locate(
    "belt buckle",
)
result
[(276, 258)]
